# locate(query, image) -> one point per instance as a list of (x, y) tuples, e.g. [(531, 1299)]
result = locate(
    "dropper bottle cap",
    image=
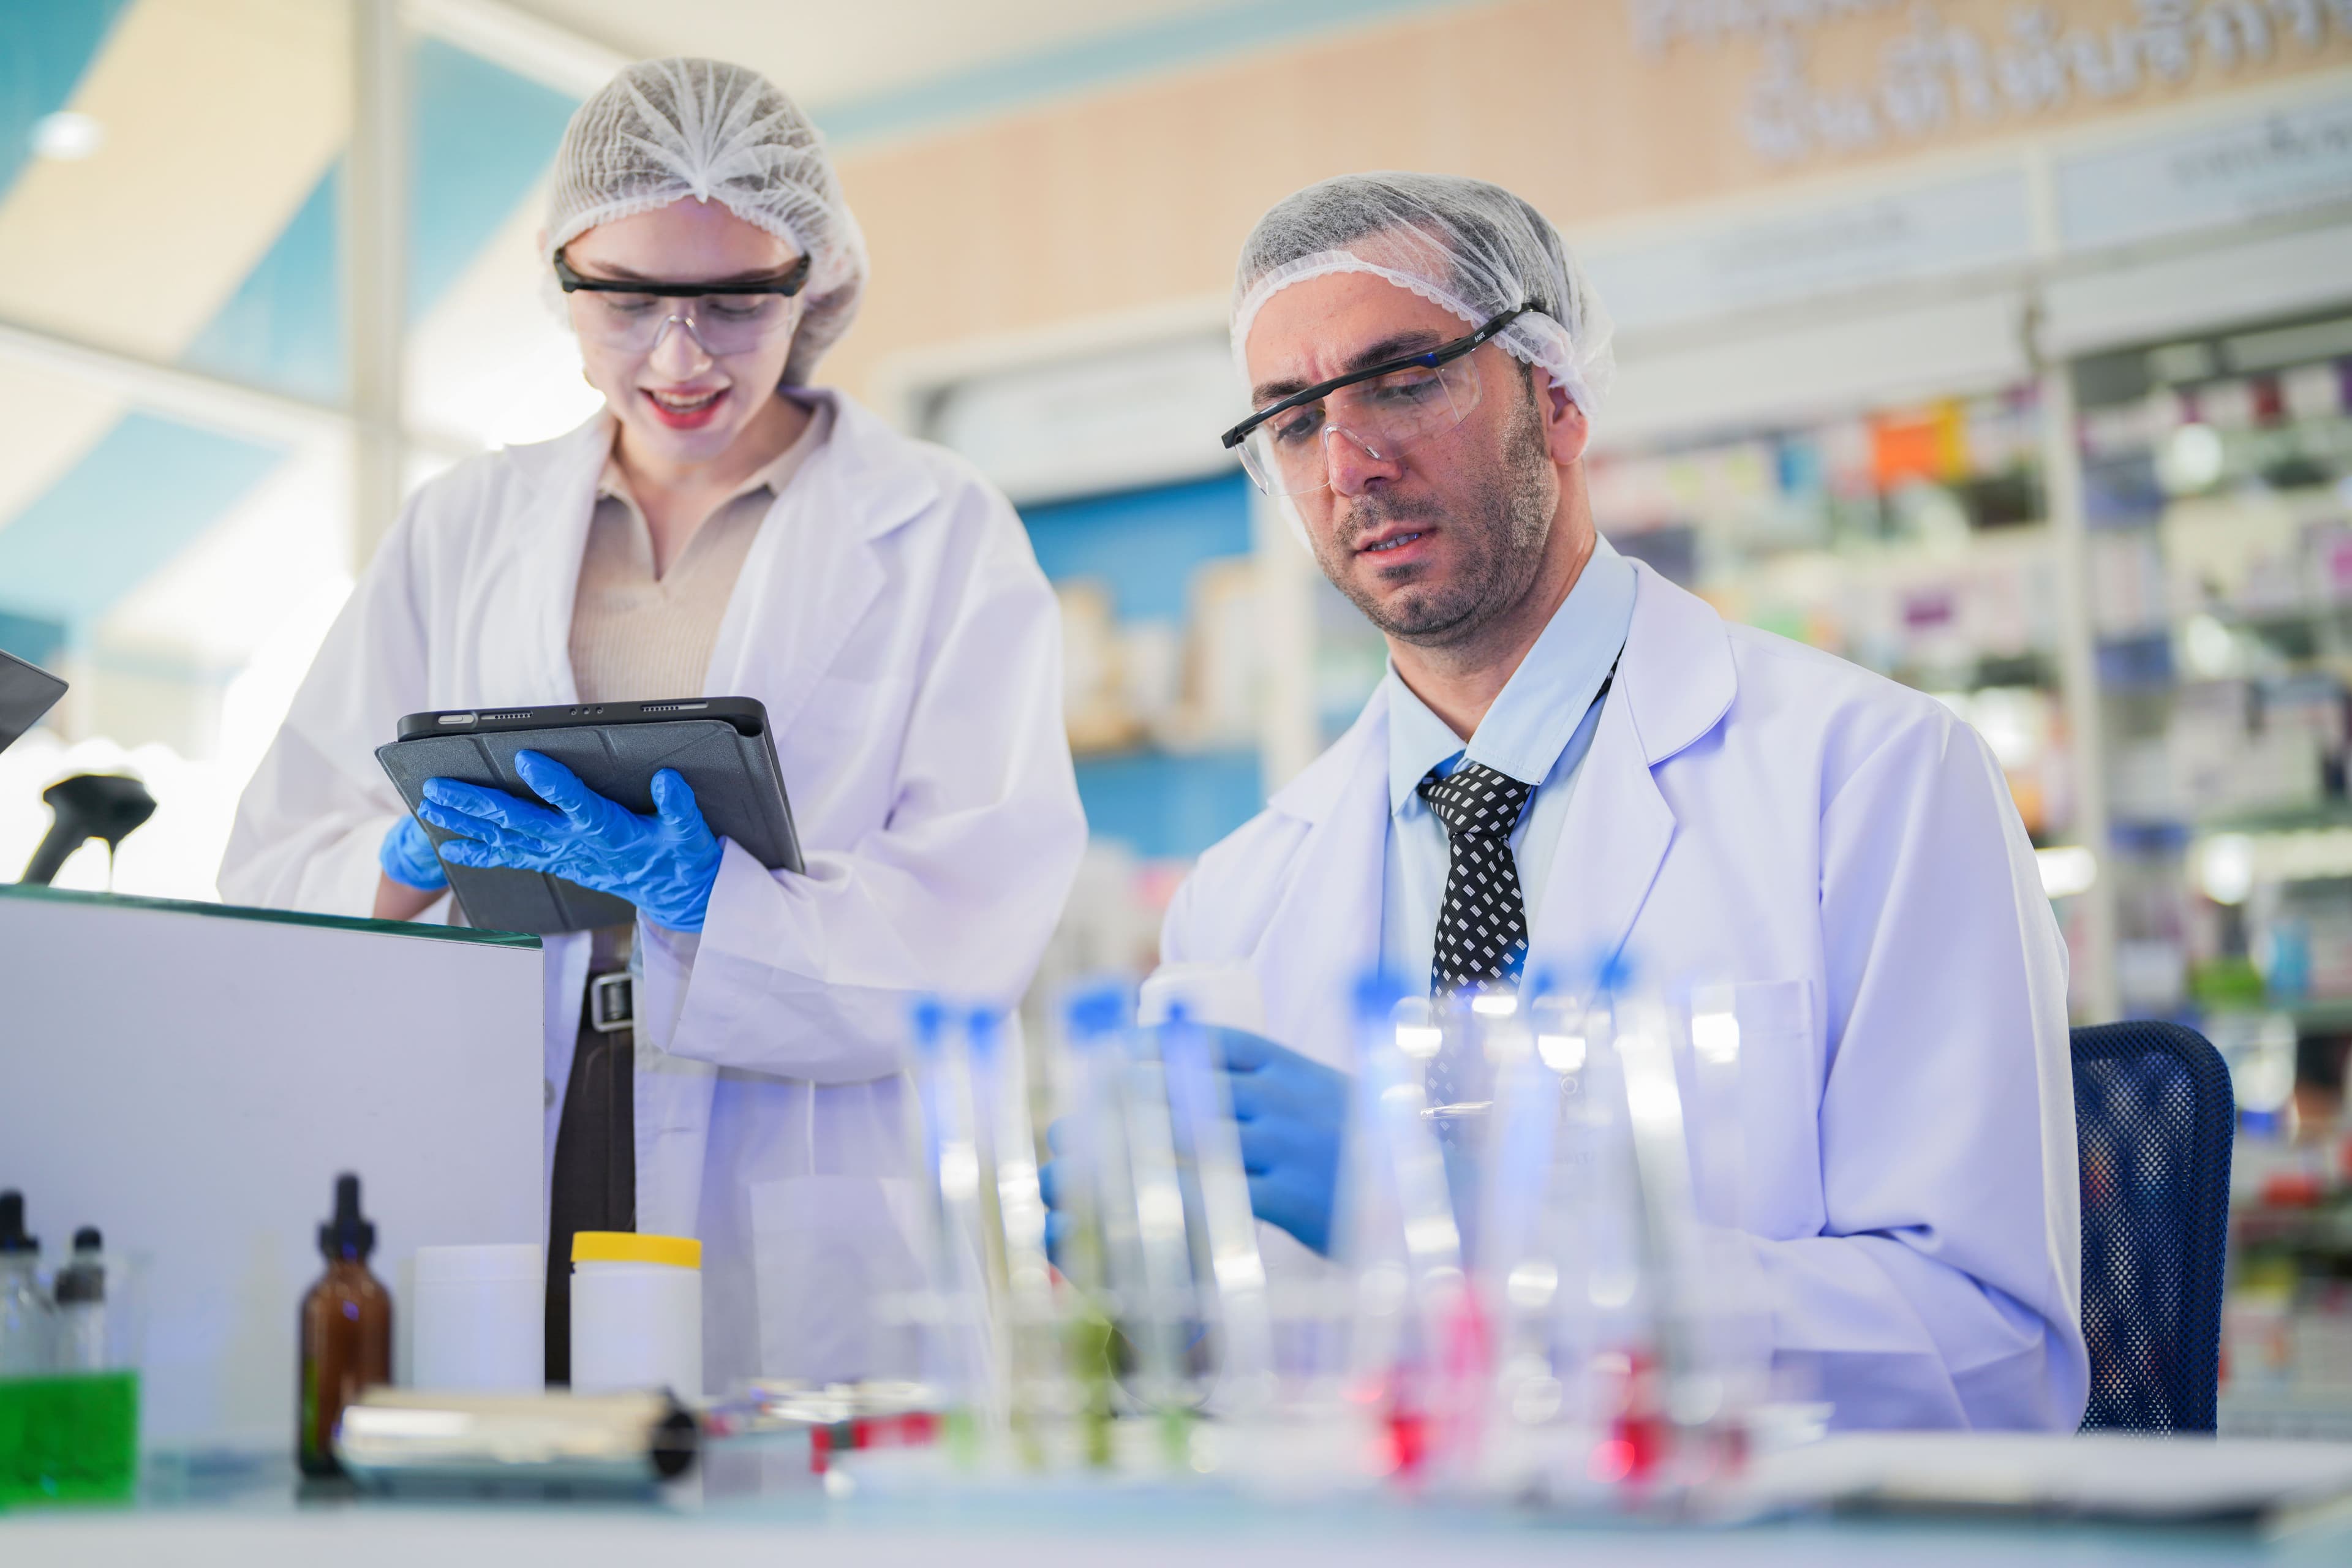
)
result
[(82, 1282), (347, 1234), (12, 1225)]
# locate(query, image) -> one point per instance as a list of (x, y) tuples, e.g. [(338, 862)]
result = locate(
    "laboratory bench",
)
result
[(761, 1502)]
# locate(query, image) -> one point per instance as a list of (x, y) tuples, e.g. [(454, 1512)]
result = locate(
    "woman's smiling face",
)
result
[(678, 403)]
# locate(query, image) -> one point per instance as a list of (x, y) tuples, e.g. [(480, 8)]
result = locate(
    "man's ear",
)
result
[(1566, 430)]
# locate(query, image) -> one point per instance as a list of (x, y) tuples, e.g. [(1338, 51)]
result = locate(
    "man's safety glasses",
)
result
[(633, 314), (1382, 408)]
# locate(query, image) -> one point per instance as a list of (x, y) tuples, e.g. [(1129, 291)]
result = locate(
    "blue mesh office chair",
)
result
[(2154, 1117)]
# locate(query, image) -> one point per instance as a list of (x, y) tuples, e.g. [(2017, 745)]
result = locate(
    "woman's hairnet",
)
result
[(1471, 247), (666, 129)]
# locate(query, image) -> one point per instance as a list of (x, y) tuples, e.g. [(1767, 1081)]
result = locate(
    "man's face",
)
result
[(1436, 541)]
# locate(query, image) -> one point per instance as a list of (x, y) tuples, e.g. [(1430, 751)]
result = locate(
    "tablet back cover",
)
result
[(733, 776)]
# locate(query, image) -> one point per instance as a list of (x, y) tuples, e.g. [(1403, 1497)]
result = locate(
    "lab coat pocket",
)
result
[(1779, 1092), (1780, 1011), (835, 1264)]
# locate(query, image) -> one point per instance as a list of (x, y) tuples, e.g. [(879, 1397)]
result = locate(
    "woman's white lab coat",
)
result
[(1843, 851), (893, 620)]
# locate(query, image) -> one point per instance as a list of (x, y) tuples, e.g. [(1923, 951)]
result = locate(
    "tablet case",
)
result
[(26, 691), (734, 777)]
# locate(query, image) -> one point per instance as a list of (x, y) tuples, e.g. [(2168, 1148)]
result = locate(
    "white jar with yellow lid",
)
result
[(637, 1313)]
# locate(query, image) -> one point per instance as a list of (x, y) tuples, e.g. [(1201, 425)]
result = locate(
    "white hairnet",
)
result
[(666, 129), (1471, 247)]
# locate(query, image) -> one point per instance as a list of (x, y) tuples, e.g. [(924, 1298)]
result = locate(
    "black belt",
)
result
[(593, 1185)]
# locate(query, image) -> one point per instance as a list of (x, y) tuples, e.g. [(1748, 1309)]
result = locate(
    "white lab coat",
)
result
[(1844, 851), (891, 616)]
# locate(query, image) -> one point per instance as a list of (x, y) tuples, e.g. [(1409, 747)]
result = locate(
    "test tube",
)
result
[(1101, 1250), (1519, 1270), (956, 1324), (1197, 1098), (1025, 1313), (1159, 1302), (1414, 1321)]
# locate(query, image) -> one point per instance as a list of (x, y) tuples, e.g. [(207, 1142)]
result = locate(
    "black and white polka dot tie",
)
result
[(1482, 923)]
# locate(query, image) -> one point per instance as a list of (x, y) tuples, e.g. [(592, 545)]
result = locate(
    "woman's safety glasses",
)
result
[(631, 314), (1382, 408)]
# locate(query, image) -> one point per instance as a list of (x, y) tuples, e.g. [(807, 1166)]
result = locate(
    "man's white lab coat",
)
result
[(1843, 851)]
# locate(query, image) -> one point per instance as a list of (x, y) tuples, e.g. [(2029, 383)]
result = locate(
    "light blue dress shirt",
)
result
[(1537, 732)]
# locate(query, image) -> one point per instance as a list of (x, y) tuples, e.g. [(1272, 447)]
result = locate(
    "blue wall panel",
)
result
[(484, 137), (1144, 543), (31, 638), (1170, 806), (147, 490), (151, 486), (283, 328)]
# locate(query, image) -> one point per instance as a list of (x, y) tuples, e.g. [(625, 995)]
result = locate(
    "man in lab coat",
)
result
[(1571, 759)]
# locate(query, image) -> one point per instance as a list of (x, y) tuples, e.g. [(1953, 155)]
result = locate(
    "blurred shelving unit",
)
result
[(2218, 490)]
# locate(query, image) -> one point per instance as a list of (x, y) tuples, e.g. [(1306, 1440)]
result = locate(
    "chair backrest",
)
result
[(2154, 1118)]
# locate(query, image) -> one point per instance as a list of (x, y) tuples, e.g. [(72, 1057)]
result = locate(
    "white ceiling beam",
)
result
[(179, 393), (195, 398), (527, 45)]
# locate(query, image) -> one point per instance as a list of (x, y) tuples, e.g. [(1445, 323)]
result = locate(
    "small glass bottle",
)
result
[(27, 1318), (346, 1332), (81, 1305)]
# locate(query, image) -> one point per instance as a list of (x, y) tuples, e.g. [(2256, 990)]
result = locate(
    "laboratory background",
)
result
[(2002, 348)]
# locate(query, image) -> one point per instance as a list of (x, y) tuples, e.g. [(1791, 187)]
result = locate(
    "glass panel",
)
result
[(181, 576), (489, 359), (169, 188), (179, 202), (279, 917)]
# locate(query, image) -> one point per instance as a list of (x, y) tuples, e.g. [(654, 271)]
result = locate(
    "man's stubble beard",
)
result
[(1499, 539)]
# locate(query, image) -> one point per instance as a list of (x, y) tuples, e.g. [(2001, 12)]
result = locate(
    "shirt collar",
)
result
[(1539, 708)]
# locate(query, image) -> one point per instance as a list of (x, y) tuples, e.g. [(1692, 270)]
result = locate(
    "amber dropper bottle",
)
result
[(346, 1332)]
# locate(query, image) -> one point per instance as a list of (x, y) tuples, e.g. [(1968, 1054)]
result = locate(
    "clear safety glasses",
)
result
[(1382, 408), (633, 314)]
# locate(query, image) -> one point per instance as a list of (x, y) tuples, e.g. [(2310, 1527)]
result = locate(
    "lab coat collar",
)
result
[(1324, 932), (1677, 678), (1675, 682), (865, 457), (1310, 796), (1537, 711), (864, 482)]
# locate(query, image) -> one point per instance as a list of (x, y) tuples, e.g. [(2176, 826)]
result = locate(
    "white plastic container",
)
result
[(479, 1317), (637, 1313)]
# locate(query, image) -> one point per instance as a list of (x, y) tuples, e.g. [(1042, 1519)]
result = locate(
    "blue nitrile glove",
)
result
[(1292, 1113), (665, 864), (407, 856)]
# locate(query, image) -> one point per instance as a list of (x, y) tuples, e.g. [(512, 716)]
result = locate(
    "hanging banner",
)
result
[(2242, 170), (1834, 77)]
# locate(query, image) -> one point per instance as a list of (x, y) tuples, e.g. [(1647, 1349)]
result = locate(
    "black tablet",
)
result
[(26, 691), (720, 745)]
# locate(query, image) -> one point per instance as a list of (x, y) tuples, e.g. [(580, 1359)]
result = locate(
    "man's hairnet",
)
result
[(1471, 247), (666, 129)]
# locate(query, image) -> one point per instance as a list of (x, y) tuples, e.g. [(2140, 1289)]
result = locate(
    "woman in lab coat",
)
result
[(718, 528)]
